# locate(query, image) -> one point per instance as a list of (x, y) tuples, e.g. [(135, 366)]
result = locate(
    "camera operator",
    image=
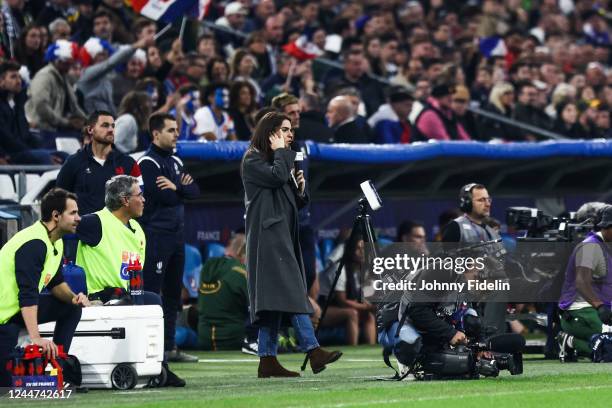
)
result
[(471, 227), (587, 291)]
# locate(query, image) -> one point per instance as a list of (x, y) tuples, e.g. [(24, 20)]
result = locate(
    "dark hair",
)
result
[(350, 246), (186, 88), (234, 95), (101, 13), (237, 59), (157, 121), (54, 200), (269, 123), (136, 104), (406, 227), (262, 112), (141, 23), (211, 64), (92, 119), (522, 85), (8, 66), (22, 51)]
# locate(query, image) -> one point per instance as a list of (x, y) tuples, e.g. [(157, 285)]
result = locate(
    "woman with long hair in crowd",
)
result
[(244, 65), (274, 193), (242, 108), (131, 132), (30, 51)]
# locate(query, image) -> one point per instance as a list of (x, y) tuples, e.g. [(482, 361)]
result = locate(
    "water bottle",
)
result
[(136, 282)]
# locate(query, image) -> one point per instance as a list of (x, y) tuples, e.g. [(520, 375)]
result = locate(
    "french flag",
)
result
[(303, 48), (492, 47), (169, 11)]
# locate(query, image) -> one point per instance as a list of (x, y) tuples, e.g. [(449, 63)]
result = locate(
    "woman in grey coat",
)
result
[(277, 285)]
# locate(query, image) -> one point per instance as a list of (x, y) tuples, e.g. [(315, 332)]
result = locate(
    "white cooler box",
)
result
[(119, 347)]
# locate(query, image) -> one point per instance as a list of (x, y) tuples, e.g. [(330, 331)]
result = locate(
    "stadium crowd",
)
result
[(401, 71)]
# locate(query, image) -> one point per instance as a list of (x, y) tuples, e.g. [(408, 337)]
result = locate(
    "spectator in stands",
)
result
[(187, 104), (354, 75), (358, 106), (206, 46), (347, 290), (459, 104), (223, 299), (234, 17), (102, 27), (390, 123), (83, 26), (242, 108), (312, 121), (166, 187), (55, 9), (422, 92), (602, 122), (86, 171), (287, 79), (129, 74), (289, 105), (15, 16), (17, 144), (567, 123), (100, 59), (131, 126), (501, 102), (29, 51), (341, 119), (212, 121), (243, 67), (59, 29), (410, 72), (217, 70), (481, 87), (527, 110), (121, 19), (256, 45), (414, 233), (52, 105), (437, 120)]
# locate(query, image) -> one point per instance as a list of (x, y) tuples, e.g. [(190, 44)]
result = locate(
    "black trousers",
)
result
[(163, 274), (66, 316)]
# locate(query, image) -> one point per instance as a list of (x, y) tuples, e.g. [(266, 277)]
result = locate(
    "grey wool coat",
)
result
[(276, 277)]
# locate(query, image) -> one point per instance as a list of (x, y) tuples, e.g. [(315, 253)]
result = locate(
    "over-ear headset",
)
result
[(465, 198)]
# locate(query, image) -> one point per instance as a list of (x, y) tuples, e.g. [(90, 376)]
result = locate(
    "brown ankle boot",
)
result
[(319, 358), (270, 367)]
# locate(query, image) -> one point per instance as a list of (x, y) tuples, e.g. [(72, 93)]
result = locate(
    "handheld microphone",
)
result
[(299, 157)]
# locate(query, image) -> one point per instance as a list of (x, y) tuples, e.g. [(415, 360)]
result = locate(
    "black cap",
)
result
[(399, 94), (441, 90), (606, 217)]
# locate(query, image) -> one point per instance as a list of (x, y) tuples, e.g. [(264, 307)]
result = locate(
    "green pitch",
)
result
[(229, 380)]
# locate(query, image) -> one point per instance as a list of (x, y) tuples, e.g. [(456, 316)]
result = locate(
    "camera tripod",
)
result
[(362, 224)]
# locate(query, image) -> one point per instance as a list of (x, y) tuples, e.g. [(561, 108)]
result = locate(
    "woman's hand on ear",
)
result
[(276, 141)]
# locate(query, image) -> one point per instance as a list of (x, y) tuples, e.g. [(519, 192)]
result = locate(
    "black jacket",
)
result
[(313, 127), (15, 136), (351, 132), (83, 175), (435, 330), (164, 210)]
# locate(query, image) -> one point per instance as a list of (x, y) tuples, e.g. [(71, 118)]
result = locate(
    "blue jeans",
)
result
[(268, 333)]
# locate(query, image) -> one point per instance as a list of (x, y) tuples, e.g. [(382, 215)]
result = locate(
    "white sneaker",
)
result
[(249, 348)]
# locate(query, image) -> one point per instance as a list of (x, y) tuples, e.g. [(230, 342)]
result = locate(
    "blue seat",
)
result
[(192, 269)]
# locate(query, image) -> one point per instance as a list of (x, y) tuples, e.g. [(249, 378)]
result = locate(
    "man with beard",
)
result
[(86, 172)]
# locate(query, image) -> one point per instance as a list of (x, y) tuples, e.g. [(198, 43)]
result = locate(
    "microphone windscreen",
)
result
[(506, 343)]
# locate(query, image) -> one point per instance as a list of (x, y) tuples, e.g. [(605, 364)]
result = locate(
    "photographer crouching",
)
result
[(587, 293), (445, 339)]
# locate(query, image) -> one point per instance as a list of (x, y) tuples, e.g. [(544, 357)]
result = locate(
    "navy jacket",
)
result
[(15, 136), (164, 210), (83, 175)]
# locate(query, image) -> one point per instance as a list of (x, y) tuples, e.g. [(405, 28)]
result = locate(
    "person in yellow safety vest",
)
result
[(111, 241), (30, 262)]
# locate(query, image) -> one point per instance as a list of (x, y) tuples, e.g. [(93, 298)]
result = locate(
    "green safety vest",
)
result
[(106, 264), (9, 291)]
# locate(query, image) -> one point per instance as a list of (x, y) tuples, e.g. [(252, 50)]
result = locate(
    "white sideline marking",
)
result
[(452, 397), (256, 360)]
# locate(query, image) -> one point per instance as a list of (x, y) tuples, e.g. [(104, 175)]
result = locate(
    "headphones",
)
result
[(465, 198)]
